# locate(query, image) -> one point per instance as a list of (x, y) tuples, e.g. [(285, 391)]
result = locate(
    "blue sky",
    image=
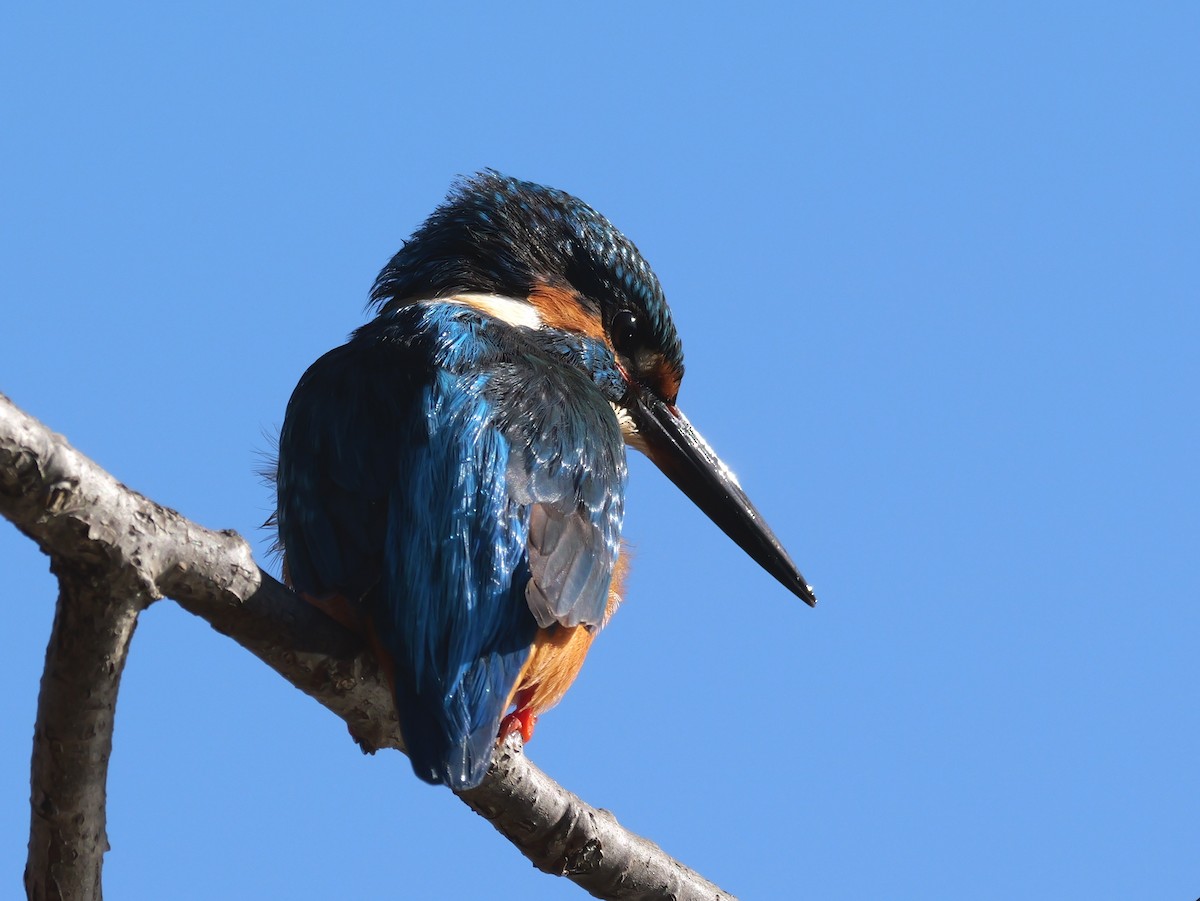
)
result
[(936, 274)]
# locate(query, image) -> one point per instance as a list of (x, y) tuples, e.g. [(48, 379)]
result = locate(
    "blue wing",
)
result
[(465, 487)]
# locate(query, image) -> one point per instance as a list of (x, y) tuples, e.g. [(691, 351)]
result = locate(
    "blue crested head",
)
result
[(503, 236)]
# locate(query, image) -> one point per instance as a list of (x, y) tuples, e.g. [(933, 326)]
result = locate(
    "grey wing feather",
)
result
[(568, 464)]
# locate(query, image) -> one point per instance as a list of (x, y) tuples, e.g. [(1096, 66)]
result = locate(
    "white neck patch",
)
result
[(629, 429), (514, 311)]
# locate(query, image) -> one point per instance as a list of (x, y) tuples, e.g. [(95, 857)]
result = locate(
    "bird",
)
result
[(451, 481)]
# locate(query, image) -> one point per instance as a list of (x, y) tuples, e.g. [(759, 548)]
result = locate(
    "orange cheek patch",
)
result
[(666, 378), (562, 308)]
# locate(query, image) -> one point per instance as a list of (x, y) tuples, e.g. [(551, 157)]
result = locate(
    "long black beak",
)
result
[(686, 459)]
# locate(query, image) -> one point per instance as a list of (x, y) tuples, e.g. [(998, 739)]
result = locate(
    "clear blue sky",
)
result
[(936, 273)]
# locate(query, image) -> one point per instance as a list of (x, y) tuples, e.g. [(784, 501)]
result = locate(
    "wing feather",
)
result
[(568, 465)]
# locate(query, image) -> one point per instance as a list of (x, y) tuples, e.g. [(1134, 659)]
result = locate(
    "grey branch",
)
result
[(114, 552)]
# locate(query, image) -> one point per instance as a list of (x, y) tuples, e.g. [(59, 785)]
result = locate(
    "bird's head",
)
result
[(540, 258)]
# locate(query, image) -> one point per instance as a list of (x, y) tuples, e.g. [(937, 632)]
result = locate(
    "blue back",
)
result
[(452, 475)]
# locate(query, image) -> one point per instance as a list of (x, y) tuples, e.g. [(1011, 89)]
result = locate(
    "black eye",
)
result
[(624, 331)]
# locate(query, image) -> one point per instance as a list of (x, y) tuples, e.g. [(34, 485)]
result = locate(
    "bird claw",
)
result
[(522, 720), (367, 747)]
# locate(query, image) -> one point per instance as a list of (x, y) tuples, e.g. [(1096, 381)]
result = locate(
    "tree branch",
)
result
[(116, 551), (72, 740)]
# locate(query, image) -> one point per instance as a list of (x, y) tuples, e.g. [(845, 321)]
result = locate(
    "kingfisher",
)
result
[(451, 481)]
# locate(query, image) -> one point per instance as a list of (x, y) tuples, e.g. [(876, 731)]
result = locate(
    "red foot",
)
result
[(520, 720)]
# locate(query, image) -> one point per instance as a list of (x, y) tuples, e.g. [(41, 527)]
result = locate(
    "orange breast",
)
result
[(558, 653)]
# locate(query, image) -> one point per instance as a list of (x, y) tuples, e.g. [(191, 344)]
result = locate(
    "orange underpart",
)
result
[(520, 720)]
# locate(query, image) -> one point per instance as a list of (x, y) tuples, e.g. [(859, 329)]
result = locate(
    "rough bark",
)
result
[(72, 739), (116, 551)]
